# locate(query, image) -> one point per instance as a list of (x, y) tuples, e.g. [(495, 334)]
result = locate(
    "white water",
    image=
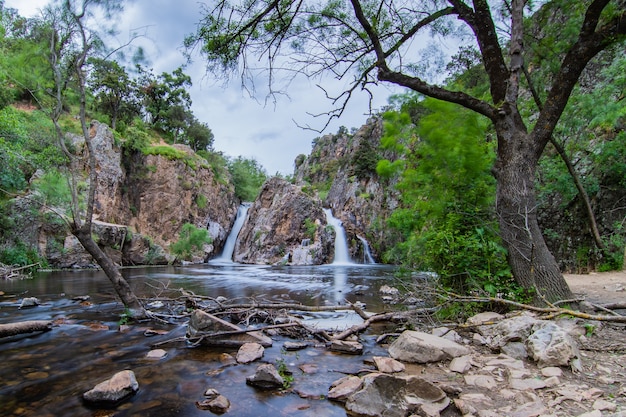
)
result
[(367, 254), (229, 246), (342, 255)]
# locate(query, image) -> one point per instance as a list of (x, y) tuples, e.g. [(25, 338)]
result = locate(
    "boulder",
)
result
[(120, 386), (343, 388), (419, 347), (215, 402), (395, 396), (266, 377), (550, 345)]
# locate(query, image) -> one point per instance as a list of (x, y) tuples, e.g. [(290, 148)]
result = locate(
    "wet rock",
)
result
[(266, 377), (215, 402), (227, 359), (388, 365), (341, 389), (29, 302), (345, 346), (550, 345), (121, 385), (250, 352), (291, 346), (395, 396), (419, 347), (156, 354)]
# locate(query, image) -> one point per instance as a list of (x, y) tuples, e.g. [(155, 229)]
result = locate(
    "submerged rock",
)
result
[(120, 386), (266, 377)]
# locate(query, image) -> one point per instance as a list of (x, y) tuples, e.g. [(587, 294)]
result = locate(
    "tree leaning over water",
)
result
[(365, 42), (70, 43)]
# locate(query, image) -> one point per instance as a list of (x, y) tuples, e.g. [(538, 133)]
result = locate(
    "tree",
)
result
[(70, 44), (165, 98), (114, 90), (248, 177), (367, 42)]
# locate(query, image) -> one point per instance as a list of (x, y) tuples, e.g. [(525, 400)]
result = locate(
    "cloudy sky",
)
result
[(241, 125)]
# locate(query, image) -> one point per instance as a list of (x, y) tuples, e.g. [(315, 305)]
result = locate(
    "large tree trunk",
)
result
[(120, 285), (532, 263)]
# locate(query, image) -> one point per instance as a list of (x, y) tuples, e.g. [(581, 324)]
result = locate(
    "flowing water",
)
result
[(342, 254), (229, 246), (46, 374)]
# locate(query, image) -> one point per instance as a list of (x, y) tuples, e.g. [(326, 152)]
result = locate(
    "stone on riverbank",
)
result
[(419, 347), (396, 396), (120, 386)]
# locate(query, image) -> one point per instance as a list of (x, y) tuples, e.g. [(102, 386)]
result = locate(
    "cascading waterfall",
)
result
[(367, 254), (229, 246), (342, 255)]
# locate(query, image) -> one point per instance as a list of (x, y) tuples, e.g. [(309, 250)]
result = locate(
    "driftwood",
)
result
[(9, 272), (549, 312), (12, 329)]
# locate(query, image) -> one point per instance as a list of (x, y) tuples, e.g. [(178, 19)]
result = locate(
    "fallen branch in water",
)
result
[(31, 326)]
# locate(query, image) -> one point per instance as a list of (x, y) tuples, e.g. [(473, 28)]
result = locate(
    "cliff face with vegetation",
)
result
[(284, 226), (142, 202), (342, 168)]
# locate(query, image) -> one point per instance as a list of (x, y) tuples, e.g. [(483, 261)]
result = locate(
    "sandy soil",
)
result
[(599, 287)]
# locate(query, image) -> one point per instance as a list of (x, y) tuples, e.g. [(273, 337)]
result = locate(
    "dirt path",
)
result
[(599, 287)]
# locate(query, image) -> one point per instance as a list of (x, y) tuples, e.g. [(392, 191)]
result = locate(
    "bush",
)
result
[(191, 240)]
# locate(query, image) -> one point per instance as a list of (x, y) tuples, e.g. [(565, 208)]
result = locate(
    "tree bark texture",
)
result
[(123, 290), (532, 264)]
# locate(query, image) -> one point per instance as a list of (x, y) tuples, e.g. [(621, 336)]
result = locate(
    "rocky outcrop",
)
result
[(142, 202), (284, 225), (345, 165)]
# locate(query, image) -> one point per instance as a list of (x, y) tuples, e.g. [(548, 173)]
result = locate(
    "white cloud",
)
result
[(241, 125)]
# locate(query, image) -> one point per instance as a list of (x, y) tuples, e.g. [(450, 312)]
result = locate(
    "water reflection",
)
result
[(45, 375)]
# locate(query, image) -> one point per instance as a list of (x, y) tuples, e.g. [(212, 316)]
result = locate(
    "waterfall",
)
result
[(342, 256), (229, 246), (367, 254)]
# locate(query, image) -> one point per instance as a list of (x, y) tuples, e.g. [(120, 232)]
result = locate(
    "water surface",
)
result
[(46, 374)]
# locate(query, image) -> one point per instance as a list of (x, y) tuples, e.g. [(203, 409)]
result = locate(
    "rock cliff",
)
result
[(142, 202), (344, 167), (284, 226)]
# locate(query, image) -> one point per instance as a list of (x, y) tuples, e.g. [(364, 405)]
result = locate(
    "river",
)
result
[(46, 374)]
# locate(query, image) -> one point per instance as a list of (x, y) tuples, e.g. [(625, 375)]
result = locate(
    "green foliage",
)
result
[(191, 240), (311, 228), (54, 188), (284, 372), (248, 176), (202, 201), (19, 254), (446, 222)]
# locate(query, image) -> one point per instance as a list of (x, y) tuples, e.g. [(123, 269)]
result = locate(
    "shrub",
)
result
[(191, 240)]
